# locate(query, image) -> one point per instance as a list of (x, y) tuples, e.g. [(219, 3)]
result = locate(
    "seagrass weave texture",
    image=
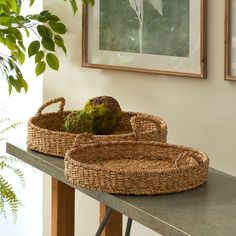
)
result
[(46, 131), (135, 167)]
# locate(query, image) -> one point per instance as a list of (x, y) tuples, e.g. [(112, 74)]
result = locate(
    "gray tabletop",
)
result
[(207, 210)]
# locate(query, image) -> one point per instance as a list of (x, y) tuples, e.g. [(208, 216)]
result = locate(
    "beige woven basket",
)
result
[(46, 132), (135, 167)]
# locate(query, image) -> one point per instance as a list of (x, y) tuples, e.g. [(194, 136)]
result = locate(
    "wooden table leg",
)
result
[(114, 225), (63, 208)]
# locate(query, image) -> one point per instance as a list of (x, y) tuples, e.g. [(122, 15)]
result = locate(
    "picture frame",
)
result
[(121, 35), (230, 41)]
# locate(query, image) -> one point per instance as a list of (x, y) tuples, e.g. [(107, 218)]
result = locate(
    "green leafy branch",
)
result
[(49, 30), (8, 196), (49, 36), (8, 127)]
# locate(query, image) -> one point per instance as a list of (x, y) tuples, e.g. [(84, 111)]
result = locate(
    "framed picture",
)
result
[(153, 36), (230, 40)]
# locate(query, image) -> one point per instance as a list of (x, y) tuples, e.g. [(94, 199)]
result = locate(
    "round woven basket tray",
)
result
[(46, 130), (135, 167)]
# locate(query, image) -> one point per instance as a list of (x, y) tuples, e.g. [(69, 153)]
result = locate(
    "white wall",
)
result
[(199, 113)]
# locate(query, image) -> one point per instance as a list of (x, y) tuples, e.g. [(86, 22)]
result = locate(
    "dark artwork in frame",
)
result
[(159, 27)]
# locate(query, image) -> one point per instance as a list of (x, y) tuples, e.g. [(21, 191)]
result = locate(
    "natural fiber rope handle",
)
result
[(134, 123), (56, 100), (180, 156), (84, 138)]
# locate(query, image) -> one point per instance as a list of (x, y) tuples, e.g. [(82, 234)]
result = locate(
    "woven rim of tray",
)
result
[(196, 174), (73, 155), (163, 126)]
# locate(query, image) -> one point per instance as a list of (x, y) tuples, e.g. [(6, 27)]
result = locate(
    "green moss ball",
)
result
[(78, 122), (105, 112)]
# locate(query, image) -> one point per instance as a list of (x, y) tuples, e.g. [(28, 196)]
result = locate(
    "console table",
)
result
[(207, 210)]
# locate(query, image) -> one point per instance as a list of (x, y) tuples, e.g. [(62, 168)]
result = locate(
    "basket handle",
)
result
[(180, 156), (84, 138), (137, 129), (56, 100)]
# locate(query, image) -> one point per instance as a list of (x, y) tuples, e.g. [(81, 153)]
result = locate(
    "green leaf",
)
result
[(74, 6), (21, 44), (48, 44), (21, 57), (17, 69), (9, 88), (59, 28), (31, 2), (33, 17), (27, 32), (45, 13), (4, 20), (40, 68), (33, 48), (18, 55), (11, 38), (39, 56), (44, 31), (22, 20), (14, 83), (11, 64), (64, 49), (23, 83), (59, 41), (42, 18), (14, 6), (10, 45), (17, 83), (52, 61), (53, 18), (14, 32)]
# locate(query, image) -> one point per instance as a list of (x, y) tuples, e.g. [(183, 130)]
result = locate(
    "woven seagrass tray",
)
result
[(135, 167), (46, 131)]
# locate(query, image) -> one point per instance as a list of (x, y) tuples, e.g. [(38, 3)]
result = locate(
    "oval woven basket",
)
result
[(135, 167), (46, 130)]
